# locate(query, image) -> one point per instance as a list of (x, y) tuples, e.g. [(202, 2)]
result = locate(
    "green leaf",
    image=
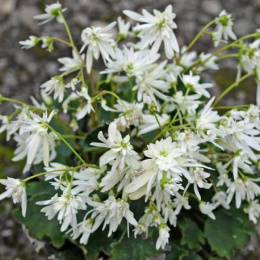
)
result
[(192, 256), (37, 223), (72, 253), (134, 248), (227, 233), (93, 135), (37, 187), (191, 233), (176, 253), (98, 242)]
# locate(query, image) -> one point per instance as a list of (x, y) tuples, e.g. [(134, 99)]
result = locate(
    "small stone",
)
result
[(257, 4), (211, 7), (26, 14), (7, 6)]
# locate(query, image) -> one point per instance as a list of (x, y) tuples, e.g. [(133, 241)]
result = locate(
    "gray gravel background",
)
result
[(22, 72)]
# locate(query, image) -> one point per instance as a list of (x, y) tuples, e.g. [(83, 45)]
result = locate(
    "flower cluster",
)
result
[(164, 143)]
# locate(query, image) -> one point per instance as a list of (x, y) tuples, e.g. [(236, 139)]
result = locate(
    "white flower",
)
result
[(253, 211), (86, 181), (121, 153), (130, 114), (220, 198), (15, 189), (163, 238), (149, 123), (188, 141), (111, 212), (253, 115), (238, 189), (140, 229), (14, 126), (98, 41), (65, 103), (47, 43), (224, 28), (192, 82), (31, 42), (186, 103), (39, 137), (60, 184), (51, 11), (88, 108), (240, 161), (84, 230), (123, 28), (172, 73), (198, 178), (172, 185), (156, 29), (223, 177), (209, 63), (244, 137), (132, 62), (123, 178), (165, 161), (56, 85), (66, 206), (188, 58), (5, 126), (207, 208), (249, 57), (179, 202), (252, 189), (56, 169), (206, 123), (71, 64), (151, 84)]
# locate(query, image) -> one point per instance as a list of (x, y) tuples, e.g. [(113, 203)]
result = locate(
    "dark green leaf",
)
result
[(192, 256), (98, 242), (92, 136), (37, 223), (37, 187), (191, 233), (135, 248), (227, 233), (73, 253), (176, 253)]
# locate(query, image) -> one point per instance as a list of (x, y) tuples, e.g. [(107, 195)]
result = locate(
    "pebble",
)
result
[(7, 6), (212, 7)]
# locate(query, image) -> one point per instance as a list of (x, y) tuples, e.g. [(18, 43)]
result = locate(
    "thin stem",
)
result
[(232, 107), (70, 37), (231, 87), (74, 137), (131, 89), (60, 40), (65, 142), (159, 124), (67, 29), (193, 196), (196, 38), (19, 102), (60, 170), (233, 44), (231, 55), (44, 173), (104, 92)]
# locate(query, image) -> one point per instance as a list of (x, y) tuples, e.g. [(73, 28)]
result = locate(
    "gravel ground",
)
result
[(21, 72)]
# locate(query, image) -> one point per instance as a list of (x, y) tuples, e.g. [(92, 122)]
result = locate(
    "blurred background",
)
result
[(22, 71)]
